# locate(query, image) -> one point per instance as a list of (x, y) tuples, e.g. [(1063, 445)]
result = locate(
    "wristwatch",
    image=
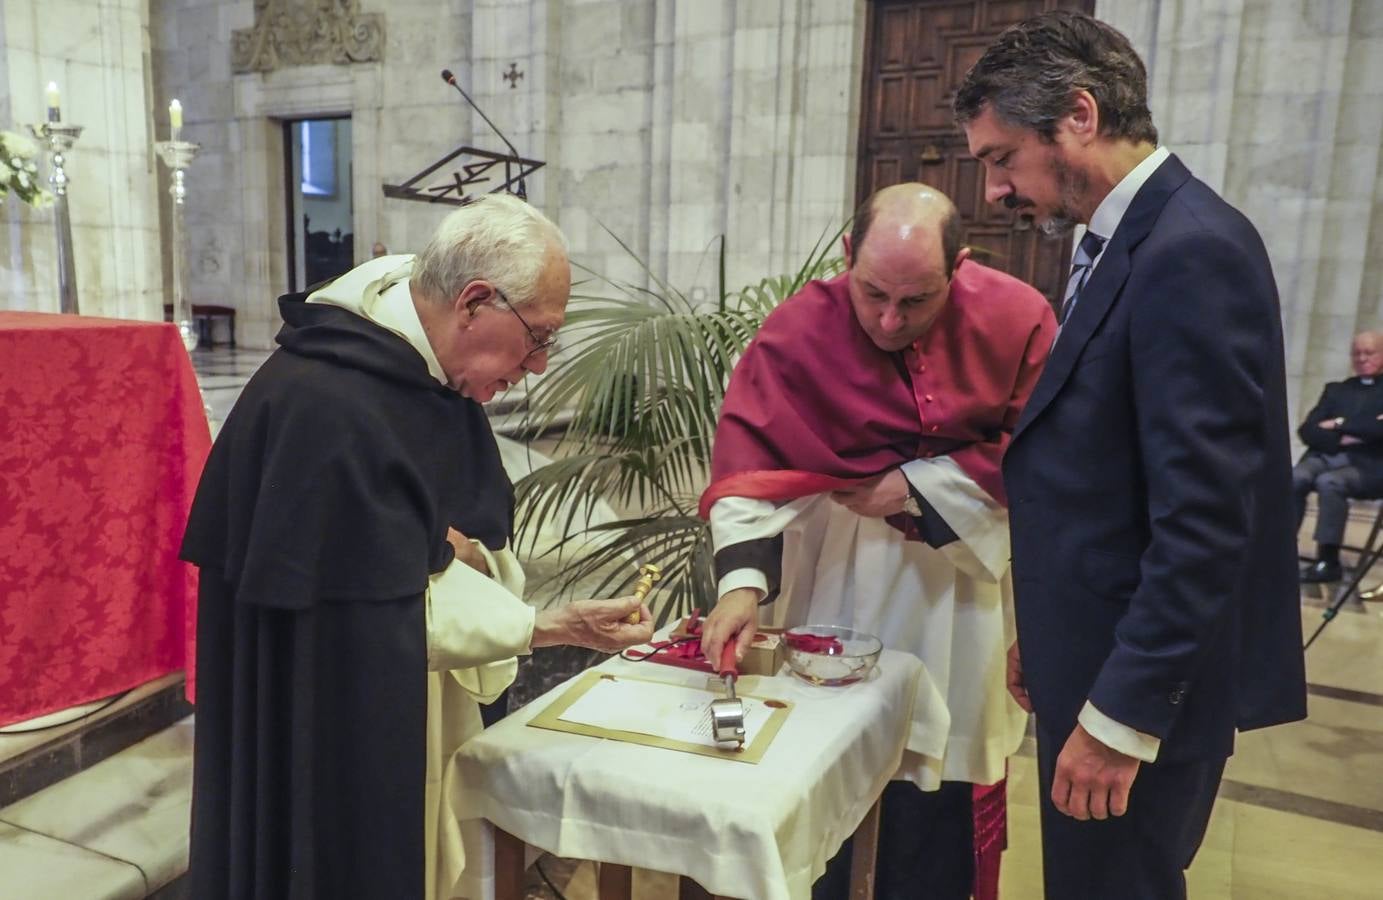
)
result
[(911, 506)]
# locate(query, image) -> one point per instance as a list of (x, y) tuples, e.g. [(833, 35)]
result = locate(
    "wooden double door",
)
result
[(916, 54)]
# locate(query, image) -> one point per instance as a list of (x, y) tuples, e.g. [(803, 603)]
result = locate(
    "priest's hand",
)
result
[(1016, 688), (596, 624), (877, 498), (735, 618), (466, 551), (1092, 780)]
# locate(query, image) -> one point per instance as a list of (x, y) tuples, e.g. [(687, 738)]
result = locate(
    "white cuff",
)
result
[(504, 567), (738, 519), (1117, 735), (473, 620), (981, 525), (742, 578)]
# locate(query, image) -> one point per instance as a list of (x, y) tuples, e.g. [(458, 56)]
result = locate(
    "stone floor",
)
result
[(1300, 813)]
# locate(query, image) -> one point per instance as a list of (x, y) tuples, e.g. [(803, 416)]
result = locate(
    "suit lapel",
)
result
[(1104, 286)]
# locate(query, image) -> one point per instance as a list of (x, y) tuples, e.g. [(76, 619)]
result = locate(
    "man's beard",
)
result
[(1071, 186)]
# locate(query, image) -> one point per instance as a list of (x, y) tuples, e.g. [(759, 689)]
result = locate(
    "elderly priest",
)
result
[(357, 591)]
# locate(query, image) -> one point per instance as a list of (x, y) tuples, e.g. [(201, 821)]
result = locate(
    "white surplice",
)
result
[(476, 625), (950, 606)]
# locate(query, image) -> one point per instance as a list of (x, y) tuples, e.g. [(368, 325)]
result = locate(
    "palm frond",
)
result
[(642, 383), (678, 545)]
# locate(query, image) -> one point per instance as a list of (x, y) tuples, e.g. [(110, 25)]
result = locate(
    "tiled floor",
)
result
[(1300, 814), (115, 831), (221, 373)]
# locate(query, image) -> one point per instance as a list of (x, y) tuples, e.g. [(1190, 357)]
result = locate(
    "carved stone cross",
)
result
[(512, 76)]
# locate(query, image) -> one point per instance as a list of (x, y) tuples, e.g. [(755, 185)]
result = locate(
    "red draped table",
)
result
[(102, 440)]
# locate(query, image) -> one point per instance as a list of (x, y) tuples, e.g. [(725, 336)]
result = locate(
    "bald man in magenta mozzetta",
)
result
[(855, 481)]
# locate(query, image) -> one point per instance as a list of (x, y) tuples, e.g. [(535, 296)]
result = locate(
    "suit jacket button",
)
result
[(1176, 696)]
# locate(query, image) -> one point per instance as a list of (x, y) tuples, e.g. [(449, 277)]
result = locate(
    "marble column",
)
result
[(1276, 103), (96, 54)]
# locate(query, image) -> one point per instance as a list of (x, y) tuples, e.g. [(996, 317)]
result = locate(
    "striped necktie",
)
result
[(1086, 253)]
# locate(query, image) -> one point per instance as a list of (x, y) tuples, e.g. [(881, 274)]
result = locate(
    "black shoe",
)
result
[(1320, 572)]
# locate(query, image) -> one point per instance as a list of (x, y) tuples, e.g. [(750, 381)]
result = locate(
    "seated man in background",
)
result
[(358, 595), (1344, 456)]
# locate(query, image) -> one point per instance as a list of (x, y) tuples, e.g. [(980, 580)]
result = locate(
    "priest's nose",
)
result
[(537, 363)]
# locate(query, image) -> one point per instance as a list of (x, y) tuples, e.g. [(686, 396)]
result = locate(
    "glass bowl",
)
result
[(830, 655)]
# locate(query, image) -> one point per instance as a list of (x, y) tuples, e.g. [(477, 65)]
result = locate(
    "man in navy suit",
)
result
[(1149, 476)]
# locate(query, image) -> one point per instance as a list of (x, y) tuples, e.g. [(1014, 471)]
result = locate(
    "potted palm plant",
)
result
[(640, 390)]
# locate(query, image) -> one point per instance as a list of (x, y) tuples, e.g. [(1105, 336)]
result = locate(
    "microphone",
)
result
[(450, 79)]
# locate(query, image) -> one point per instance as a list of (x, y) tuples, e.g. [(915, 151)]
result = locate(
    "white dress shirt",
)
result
[(1105, 222)]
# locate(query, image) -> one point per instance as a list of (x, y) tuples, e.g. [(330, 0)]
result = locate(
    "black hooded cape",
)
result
[(322, 511)]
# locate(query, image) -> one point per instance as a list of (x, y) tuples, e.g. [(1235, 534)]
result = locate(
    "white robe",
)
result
[(951, 606), (475, 626)]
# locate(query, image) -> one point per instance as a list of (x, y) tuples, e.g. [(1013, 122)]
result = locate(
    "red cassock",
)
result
[(815, 406)]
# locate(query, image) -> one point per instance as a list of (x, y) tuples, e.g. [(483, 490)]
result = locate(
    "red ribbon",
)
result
[(814, 643)]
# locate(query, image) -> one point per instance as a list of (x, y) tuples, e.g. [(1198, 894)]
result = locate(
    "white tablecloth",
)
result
[(763, 831)]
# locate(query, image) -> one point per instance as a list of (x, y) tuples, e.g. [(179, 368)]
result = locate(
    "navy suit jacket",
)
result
[(1149, 477)]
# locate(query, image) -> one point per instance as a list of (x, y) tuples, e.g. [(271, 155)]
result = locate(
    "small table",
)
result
[(763, 831), (104, 439)]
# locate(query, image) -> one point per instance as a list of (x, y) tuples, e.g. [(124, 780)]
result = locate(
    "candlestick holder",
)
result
[(58, 138), (177, 156)]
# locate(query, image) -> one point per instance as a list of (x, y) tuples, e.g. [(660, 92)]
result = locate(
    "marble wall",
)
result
[(97, 52), (682, 122), (665, 123), (1279, 105), (668, 123), (402, 118)]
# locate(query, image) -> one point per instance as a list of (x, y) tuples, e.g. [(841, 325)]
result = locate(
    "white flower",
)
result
[(29, 166), (18, 145), (22, 180)]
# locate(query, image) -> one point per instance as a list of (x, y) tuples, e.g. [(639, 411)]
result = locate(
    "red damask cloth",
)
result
[(102, 440)]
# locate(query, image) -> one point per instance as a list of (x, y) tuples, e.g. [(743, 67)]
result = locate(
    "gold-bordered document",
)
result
[(659, 714)]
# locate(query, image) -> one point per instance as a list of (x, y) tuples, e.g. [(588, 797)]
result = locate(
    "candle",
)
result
[(175, 117), (54, 102)]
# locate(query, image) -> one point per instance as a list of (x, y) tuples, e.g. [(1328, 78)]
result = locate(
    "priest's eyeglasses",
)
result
[(548, 346)]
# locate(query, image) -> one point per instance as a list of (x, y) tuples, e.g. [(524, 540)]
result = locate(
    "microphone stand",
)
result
[(1368, 556), (449, 78), (453, 191)]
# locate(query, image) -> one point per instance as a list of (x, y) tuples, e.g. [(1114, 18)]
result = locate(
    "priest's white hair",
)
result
[(499, 238)]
